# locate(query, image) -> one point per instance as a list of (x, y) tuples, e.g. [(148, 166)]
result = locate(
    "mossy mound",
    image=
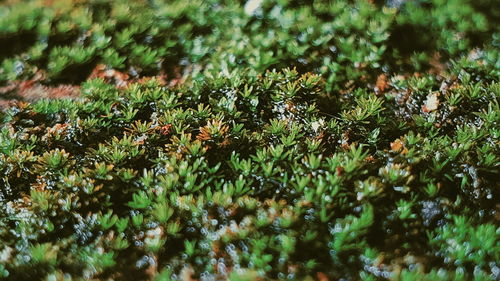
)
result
[(343, 165), (247, 176), (349, 42)]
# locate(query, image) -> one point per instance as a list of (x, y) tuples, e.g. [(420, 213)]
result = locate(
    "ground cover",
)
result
[(249, 140)]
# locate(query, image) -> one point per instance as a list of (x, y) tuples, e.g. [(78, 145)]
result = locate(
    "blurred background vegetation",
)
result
[(349, 42)]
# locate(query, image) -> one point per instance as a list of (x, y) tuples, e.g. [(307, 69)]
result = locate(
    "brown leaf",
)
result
[(382, 83), (165, 130), (321, 276), (398, 146)]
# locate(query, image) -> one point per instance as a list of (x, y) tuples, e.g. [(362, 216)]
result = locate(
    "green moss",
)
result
[(283, 155), (248, 173), (349, 42)]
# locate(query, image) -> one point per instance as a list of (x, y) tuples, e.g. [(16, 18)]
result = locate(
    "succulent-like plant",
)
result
[(300, 145)]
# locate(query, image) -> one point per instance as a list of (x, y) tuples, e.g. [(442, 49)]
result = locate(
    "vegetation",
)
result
[(343, 140), (349, 42)]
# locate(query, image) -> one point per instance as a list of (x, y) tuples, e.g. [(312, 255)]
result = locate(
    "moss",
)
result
[(301, 144), (248, 173), (349, 42)]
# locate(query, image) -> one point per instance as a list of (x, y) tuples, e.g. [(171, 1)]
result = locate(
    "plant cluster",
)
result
[(245, 177), (302, 143), (349, 42)]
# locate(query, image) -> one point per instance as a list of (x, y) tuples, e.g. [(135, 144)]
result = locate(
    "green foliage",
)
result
[(249, 173), (285, 154), (349, 42), (464, 245)]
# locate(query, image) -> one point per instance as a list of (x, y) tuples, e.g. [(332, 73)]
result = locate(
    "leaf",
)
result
[(431, 103)]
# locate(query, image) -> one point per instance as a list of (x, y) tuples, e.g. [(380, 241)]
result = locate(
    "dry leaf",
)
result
[(431, 103), (398, 146), (382, 83)]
